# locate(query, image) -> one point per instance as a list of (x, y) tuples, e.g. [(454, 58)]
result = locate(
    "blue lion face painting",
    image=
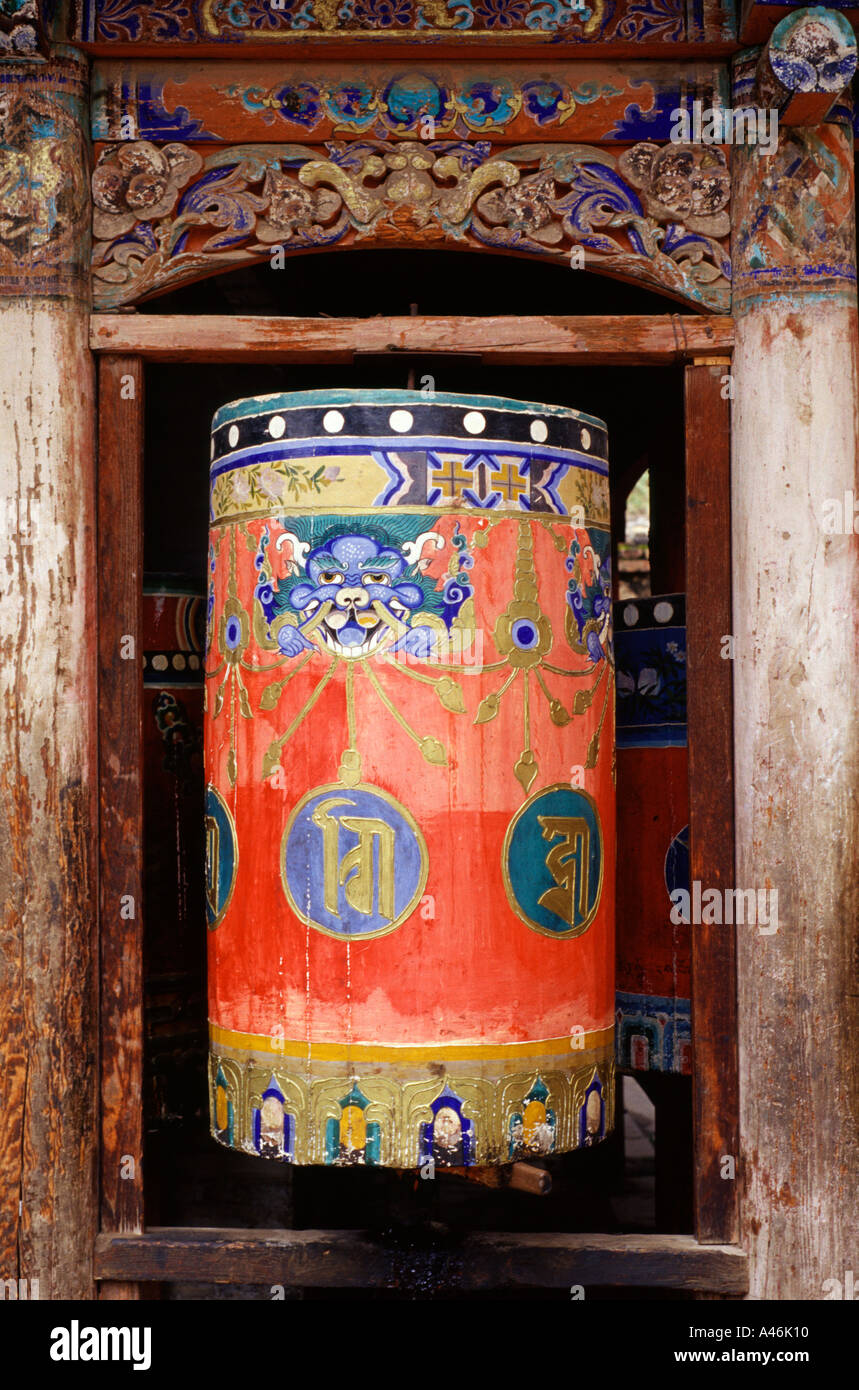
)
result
[(356, 592)]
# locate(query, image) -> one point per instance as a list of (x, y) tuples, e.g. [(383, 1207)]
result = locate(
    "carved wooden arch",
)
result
[(166, 215)]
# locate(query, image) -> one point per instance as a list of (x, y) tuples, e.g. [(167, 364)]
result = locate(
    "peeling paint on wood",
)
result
[(796, 673), (506, 340), (48, 815)]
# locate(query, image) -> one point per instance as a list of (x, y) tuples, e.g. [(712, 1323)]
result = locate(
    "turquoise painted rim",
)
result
[(303, 400)]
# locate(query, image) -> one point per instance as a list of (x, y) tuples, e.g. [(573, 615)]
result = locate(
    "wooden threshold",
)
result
[(597, 341), (480, 1261)]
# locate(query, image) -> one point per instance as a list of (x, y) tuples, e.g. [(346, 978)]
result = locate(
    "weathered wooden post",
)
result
[(796, 678), (48, 774)]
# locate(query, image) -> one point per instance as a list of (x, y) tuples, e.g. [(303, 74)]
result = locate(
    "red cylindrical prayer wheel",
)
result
[(410, 802)]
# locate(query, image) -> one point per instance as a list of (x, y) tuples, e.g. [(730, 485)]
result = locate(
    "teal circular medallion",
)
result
[(553, 861), (222, 857)]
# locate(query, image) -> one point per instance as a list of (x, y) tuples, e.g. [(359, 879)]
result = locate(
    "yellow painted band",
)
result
[(432, 509), (375, 1052)]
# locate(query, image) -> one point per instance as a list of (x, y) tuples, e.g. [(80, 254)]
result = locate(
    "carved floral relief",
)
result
[(164, 215)]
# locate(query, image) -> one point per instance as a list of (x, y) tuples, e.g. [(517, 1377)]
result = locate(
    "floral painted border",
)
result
[(195, 22)]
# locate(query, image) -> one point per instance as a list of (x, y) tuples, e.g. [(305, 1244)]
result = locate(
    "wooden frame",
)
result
[(623, 340), (124, 1252), (120, 737), (711, 817)]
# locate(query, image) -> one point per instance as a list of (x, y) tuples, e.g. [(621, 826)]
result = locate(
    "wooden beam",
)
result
[(302, 100), (510, 340), (353, 1259), (120, 708), (711, 795), (216, 31)]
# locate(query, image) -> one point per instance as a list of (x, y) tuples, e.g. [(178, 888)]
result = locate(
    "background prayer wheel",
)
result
[(175, 1013), (409, 751), (654, 1027)]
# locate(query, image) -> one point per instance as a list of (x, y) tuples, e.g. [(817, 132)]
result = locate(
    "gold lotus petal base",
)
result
[(472, 1106)]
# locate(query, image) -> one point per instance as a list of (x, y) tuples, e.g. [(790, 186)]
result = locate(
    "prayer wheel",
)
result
[(654, 1026), (409, 743), (175, 1015)]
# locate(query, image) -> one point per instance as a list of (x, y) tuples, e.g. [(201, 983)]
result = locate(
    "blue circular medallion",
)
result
[(353, 861), (524, 634)]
